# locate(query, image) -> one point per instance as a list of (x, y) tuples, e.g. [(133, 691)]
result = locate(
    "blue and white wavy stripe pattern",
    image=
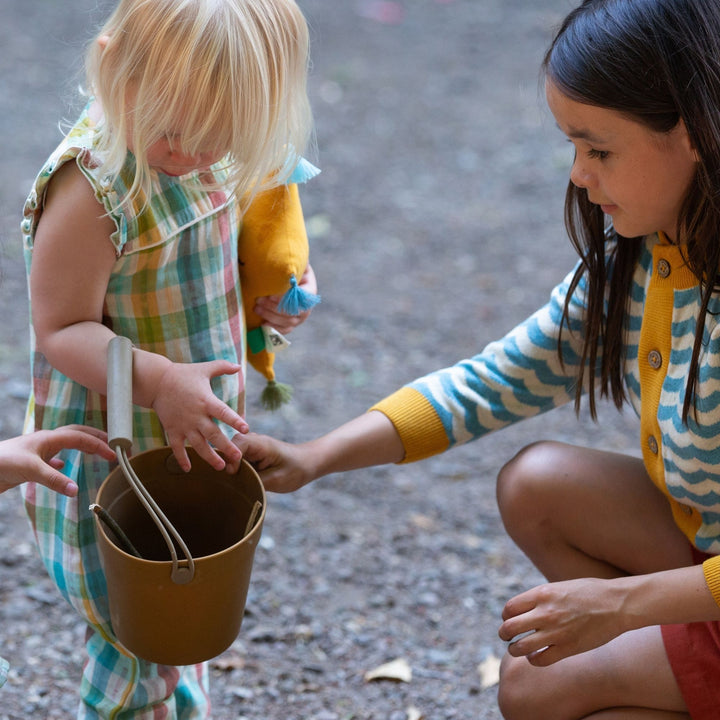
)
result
[(520, 376)]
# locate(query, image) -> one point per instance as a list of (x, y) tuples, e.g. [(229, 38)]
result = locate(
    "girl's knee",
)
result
[(522, 481), (515, 690)]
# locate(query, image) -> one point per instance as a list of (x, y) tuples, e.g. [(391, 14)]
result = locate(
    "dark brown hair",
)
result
[(658, 62)]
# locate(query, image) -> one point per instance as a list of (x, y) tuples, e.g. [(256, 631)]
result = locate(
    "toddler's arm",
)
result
[(32, 457), (370, 439), (71, 266)]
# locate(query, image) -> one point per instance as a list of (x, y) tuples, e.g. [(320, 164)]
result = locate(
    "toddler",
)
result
[(132, 228)]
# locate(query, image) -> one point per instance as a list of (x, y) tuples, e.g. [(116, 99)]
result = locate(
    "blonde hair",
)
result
[(225, 75)]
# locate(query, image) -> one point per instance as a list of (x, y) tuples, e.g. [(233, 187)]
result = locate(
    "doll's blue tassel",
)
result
[(297, 300)]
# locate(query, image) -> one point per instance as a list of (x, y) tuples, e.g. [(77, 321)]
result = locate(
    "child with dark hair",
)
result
[(628, 624)]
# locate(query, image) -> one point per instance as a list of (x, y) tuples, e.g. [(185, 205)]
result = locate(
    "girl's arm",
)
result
[(370, 439), (71, 266), (573, 616)]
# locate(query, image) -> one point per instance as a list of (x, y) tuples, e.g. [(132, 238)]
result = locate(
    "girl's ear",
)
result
[(103, 41), (686, 135)]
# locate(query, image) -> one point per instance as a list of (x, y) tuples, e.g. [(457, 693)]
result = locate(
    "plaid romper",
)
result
[(174, 291)]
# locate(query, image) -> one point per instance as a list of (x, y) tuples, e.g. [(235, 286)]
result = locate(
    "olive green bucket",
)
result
[(177, 548)]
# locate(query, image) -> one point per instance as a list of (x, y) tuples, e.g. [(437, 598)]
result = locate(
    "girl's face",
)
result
[(637, 176), (166, 157)]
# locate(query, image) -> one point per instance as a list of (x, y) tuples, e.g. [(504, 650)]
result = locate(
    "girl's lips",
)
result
[(608, 209)]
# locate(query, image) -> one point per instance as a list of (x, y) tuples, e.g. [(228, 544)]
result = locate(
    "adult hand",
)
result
[(31, 458)]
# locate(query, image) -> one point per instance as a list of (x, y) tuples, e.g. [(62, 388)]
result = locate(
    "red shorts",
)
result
[(694, 653)]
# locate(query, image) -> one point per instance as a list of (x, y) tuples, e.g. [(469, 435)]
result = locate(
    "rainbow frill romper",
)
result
[(174, 290)]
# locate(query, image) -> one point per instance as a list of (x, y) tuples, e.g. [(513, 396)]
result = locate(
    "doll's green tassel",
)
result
[(275, 394), (297, 300)]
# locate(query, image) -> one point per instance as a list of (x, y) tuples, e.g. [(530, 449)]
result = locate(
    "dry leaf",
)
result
[(489, 670), (395, 670), (423, 522), (229, 662)]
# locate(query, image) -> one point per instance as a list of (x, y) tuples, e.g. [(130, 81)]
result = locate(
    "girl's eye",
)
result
[(597, 154)]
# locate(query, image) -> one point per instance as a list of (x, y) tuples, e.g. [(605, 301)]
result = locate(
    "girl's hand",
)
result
[(266, 307), (187, 409), (31, 458), (282, 467), (563, 619)]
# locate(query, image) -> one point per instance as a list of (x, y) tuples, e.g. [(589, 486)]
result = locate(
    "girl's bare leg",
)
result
[(637, 714), (626, 679), (577, 512)]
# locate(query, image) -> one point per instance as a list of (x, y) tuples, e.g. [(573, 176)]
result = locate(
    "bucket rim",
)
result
[(257, 528)]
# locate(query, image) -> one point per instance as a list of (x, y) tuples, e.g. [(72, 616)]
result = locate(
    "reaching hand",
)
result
[(560, 619), (31, 458), (266, 307), (187, 409), (282, 467)]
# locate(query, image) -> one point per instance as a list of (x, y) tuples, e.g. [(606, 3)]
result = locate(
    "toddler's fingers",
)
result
[(225, 414), (177, 445), (205, 450), (222, 367), (221, 444)]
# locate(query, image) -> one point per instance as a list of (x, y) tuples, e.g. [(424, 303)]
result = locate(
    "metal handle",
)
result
[(119, 395)]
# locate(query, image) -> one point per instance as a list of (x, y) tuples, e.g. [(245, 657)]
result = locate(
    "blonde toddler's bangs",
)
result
[(213, 75)]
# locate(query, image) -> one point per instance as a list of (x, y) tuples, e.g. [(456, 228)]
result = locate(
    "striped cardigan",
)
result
[(521, 376)]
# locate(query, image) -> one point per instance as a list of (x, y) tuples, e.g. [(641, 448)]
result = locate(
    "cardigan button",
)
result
[(654, 359), (663, 268), (652, 444)]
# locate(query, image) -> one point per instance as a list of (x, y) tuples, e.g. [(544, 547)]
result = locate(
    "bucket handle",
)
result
[(119, 413)]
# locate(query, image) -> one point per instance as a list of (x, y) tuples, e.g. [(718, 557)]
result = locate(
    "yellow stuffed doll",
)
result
[(273, 253)]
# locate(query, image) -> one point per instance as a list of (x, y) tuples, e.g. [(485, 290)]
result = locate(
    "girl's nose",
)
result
[(579, 176), (200, 158)]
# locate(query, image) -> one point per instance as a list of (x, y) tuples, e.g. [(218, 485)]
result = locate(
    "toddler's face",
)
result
[(166, 157)]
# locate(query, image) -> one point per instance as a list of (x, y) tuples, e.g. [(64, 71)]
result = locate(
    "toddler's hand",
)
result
[(281, 466), (187, 408), (31, 458), (266, 307)]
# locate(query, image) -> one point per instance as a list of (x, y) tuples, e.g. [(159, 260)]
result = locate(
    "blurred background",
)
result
[(435, 226)]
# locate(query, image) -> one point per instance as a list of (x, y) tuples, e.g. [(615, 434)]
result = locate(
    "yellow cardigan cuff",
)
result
[(416, 421), (711, 569)]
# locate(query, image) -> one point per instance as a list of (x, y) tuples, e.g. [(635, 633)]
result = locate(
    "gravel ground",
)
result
[(436, 225)]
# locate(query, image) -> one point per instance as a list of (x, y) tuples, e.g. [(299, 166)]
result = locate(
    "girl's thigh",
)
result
[(631, 672), (585, 512)]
